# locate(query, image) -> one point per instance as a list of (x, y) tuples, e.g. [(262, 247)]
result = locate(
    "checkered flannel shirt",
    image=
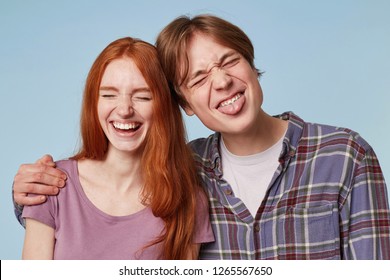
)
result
[(327, 200)]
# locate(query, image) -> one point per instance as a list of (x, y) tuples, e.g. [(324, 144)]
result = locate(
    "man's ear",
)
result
[(183, 102), (188, 110)]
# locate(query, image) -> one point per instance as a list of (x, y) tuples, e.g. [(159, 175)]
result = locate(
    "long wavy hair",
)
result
[(168, 170)]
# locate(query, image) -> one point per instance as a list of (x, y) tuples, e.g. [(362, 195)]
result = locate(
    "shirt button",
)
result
[(228, 191), (257, 228)]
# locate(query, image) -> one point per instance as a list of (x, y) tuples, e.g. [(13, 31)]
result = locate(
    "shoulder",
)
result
[(312, 133), (333, 142), (317, 140), (65, 164), (204, 146), (69, 166), (335, 135)]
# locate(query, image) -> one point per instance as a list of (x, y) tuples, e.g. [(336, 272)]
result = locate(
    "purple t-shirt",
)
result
[(82, 231)]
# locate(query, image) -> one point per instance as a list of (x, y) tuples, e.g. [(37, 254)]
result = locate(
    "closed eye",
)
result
[(199, 81), (108, 95), (231, 62), (142, 96), (108, 92)]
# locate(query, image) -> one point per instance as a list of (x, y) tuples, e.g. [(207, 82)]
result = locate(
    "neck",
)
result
[(121, 169), (122, 162), (113, 184), (265, 132)]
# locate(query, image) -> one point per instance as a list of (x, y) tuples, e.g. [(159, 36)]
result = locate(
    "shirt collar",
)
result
[(293, 135), (290, 143)]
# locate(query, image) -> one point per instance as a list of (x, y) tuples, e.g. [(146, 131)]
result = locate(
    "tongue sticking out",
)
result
[(232, 106)]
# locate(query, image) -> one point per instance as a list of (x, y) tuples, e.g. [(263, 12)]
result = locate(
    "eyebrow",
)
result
[(220, 61), (111, 88)]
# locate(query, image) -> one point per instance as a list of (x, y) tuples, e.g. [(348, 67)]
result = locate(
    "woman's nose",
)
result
[(125, 106)]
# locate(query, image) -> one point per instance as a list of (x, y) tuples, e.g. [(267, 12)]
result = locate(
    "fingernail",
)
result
[(43, 198), (61, 183)]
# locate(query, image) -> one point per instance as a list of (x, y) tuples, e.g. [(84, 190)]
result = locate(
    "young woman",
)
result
[(132, 190)]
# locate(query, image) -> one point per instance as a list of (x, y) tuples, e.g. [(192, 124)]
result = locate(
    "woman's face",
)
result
[(125, 106)]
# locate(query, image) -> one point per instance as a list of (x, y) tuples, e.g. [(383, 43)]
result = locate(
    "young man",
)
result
[(279, 188)]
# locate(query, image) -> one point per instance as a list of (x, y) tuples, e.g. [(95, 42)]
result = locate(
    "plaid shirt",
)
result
[(327, 200)]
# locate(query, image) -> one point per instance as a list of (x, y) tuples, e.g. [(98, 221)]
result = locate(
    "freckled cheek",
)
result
[(149, 116), (103, 111), (146, 111)]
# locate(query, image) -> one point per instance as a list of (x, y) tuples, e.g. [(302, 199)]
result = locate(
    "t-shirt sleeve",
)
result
[(43, 213), (203, 230)]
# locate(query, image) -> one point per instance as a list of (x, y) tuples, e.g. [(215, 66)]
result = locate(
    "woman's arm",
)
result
[(38, 241)]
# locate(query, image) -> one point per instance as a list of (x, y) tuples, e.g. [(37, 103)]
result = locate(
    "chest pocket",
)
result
[(302, 233)]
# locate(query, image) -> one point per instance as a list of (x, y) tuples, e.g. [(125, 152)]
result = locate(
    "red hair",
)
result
[(170, 180)]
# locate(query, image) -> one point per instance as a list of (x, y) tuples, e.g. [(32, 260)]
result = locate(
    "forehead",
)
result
[(202, 49), (122, 70)]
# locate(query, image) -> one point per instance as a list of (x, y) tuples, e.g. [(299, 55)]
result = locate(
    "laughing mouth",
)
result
[(231, 100), (126, 126)]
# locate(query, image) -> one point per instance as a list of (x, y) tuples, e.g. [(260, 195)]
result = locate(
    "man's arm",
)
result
[(41, 178), (366, 216)]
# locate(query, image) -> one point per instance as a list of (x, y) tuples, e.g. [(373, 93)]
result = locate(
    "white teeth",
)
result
[(125, 126), (231, 101)]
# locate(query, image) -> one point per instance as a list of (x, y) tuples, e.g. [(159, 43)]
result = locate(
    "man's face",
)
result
[(221, 88)]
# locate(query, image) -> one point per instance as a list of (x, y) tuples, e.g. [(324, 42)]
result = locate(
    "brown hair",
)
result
[(170, 180), (173, 40)]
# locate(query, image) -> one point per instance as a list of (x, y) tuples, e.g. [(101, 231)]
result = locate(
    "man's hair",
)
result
[(173, 40)]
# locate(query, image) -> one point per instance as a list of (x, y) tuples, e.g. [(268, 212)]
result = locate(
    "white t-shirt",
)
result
[(250, 176)]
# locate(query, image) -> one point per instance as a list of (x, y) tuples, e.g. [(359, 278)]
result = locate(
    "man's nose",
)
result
[(220, 79)]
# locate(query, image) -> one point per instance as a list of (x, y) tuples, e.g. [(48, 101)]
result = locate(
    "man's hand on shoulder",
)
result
[(41, 178)]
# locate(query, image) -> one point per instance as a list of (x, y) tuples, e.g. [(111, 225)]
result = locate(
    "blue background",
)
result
[(327, 61)]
